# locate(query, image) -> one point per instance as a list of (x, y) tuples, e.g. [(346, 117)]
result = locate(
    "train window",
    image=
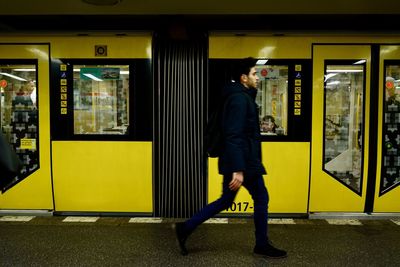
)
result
[(343, 123), (391, 126), (19, 112), (283, 97), (272, 99), (101, 99)]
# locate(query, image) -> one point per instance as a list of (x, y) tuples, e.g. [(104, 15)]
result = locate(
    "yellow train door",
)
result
[(387, 189), (25, 121), (340, 130)]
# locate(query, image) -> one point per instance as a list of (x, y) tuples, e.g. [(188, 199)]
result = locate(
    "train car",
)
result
[(334, 98), (89, 148), (114, 124)]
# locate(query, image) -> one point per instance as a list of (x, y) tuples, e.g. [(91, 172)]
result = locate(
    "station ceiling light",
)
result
[(102, 2)]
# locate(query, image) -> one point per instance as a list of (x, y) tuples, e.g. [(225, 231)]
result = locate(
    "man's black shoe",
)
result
[(270, 251), (181, 236)]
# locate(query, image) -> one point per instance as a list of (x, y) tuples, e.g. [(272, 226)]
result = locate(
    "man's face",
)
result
[(390, 91), (250, 80), (28, 88), (267, 126)]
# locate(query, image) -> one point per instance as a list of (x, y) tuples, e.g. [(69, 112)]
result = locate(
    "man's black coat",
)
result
[(241, 132)]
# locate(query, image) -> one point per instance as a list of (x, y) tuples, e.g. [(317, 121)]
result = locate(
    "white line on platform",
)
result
[(81, 219), (16, 218), (281, 221), (217, 220), (396, 221), (145, 220), (343, 222)]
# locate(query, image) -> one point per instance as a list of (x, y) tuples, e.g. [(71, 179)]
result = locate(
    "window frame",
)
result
[(140, 100), (382, 188), (349, 62), (35, 63), (298, 126)]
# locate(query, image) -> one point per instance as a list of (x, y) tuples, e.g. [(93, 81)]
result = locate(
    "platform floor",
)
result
[(122, 241)]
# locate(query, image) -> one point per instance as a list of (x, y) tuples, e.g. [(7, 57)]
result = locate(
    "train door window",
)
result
[(343, 121), (19, 113), (391, 126), (272, 98), (101, 99), (283, 96)]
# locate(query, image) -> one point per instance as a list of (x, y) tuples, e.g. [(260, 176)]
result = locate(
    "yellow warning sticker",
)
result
[(297, 67), (297, 111), (297, 82), (297, 90), (27, 143)]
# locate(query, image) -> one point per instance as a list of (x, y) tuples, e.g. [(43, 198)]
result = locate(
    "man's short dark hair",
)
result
[(243, 67)]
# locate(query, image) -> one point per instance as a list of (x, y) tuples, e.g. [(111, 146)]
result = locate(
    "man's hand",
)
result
[(236, 182)]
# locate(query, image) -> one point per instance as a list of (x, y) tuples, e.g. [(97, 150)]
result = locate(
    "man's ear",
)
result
[(243, 78)]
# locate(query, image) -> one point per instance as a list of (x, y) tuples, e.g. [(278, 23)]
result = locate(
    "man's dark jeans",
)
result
[(256, 187)]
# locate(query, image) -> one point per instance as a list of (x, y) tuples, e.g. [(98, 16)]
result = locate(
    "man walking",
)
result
[(240, 160)]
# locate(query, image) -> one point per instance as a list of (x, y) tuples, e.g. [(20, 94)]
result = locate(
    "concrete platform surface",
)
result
[(122, 241)]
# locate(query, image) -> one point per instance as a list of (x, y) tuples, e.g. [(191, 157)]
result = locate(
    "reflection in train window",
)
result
[(272, 99), (19, 113), (391, 125), (101, 99), (343, 124)]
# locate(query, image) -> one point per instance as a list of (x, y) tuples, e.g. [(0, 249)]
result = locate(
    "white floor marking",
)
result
[(81, 219), (281, 221), (16, 218), (396, 221), (145, 220), (343, 221), (217, 220)]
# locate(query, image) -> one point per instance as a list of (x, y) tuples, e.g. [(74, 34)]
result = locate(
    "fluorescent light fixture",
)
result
[(102, 2), (261, 61), (91, 76), (344, 71), (330, 75), (360, 62), (77, 70), (25, 70), (124, 72), (13, 76)]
